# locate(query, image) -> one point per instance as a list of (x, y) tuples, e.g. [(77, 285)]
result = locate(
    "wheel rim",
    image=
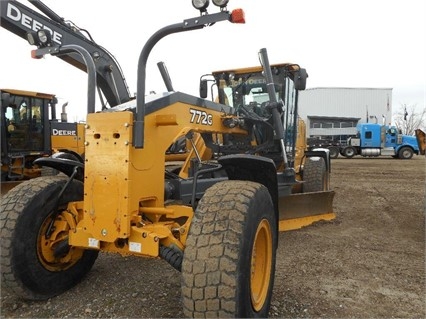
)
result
[(46, 246), (406, 154), (261, 264), (333, 152)]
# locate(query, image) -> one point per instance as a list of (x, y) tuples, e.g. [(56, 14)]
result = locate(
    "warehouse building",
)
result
[(332, 113)]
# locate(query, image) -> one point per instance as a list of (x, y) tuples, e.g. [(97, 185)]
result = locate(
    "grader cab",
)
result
[(29, 129), (210, 206)]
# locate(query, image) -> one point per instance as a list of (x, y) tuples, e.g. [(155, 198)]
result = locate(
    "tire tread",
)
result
[(209, 289)]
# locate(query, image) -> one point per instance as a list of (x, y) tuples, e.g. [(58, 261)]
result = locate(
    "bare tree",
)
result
[(407, 119)]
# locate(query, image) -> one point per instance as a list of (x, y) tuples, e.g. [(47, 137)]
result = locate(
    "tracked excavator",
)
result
[(42, 134), (202, 184)]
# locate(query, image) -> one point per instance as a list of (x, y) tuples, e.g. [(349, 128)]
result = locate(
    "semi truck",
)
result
[(374, 140)]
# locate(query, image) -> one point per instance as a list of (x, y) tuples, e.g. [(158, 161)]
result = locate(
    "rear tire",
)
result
[(333, 151), (229, 260), (314, 175), (29, 266)]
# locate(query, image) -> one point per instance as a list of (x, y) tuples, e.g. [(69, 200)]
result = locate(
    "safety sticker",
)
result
[(135, 247), (93, 242)]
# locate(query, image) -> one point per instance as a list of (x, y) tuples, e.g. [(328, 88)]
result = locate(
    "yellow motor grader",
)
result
[(203, 185), (29, 130)]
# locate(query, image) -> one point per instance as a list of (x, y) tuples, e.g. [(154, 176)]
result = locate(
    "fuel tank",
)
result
[(370, 152)]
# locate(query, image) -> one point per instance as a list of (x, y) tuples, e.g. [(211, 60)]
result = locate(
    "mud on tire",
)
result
[(229, 260), (29, 267)]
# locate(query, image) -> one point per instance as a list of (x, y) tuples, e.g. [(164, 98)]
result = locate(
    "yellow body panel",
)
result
[(73, 143), (120, 180)]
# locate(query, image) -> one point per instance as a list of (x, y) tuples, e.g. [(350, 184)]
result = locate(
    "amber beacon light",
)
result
[(237, 16)]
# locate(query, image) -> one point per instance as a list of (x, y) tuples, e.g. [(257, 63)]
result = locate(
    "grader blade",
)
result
[(299, 210)]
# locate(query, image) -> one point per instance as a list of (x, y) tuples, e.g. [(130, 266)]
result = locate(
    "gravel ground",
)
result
[(367, 263)]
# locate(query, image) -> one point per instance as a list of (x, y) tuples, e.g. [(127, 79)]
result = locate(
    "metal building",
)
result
[(332, 113)]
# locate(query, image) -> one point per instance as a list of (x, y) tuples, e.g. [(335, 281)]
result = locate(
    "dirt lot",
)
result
[(368, 263)]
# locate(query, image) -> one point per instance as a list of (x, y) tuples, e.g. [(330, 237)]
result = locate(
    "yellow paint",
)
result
[(121, 181), (297, 223)]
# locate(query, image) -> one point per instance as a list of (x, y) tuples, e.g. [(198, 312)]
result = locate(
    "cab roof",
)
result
[(29, 93), (257, 69)]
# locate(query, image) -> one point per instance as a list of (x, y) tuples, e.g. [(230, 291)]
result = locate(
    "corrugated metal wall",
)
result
[(346, 103)]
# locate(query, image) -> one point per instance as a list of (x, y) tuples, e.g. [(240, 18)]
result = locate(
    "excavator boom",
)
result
[(19, 19)]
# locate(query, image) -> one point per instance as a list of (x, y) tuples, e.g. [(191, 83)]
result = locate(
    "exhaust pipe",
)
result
[(64, 115)]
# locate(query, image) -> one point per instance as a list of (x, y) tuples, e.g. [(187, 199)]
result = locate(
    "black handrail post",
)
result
[(187, 25)]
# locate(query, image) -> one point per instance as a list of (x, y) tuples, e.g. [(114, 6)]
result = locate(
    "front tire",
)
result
[(349, 152), (32, 266), (229, 260), (405, 153)]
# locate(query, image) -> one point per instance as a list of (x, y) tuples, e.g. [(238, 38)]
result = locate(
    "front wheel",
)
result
[(349, 152), (229, 260), (35, 266), (405, 153)]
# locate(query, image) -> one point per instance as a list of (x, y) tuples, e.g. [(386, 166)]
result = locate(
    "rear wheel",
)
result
[(405, 153), (33, 265), (229, 260), (333, 151), (314, 175)]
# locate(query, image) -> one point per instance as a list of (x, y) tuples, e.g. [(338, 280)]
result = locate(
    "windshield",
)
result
[(24, 123), (247, 93), (246, 90), (249, 89)]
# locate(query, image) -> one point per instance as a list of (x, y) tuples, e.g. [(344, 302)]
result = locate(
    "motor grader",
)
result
[(201, 184), (29, 129)]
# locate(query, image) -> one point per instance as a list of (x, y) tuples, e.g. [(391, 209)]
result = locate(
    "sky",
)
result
[(363, 43)]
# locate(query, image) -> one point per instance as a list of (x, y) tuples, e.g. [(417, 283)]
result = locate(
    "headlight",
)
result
[(44, 37), (41, 38), (220, 3), (200, 4), (31, 38)]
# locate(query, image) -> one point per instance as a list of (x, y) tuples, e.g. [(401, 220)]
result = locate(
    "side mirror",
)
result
[(203, 89), (300, 78)]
